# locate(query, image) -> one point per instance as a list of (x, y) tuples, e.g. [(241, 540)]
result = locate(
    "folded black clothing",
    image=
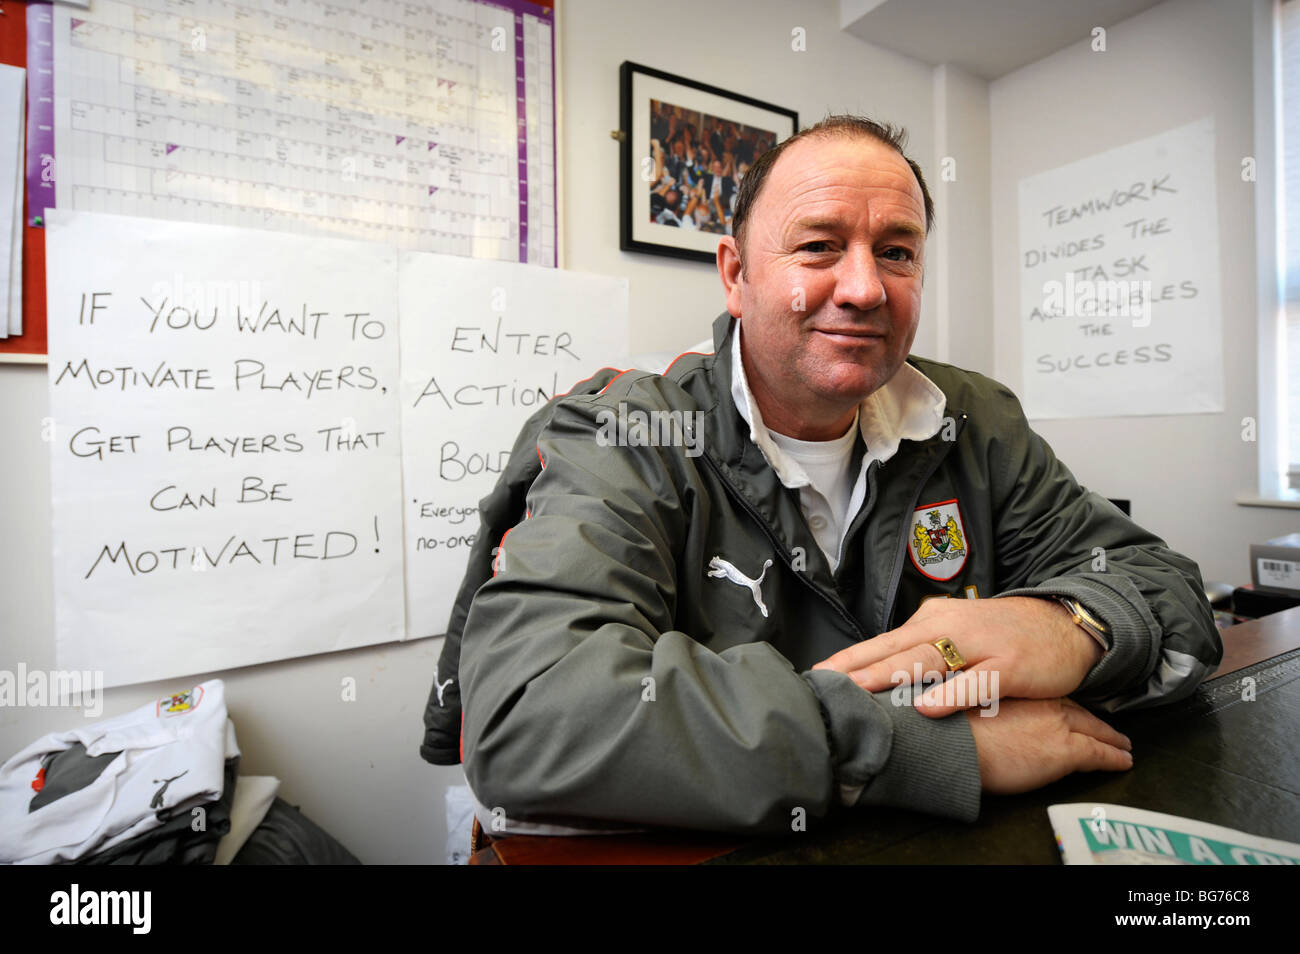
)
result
[(288, 837), (175, 841)]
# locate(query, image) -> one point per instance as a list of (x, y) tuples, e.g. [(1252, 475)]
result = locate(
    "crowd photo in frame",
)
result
[(685, 148)]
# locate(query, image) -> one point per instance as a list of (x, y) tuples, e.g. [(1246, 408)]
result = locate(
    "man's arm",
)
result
[(581, 698), (1053, 538), (1056, 539)]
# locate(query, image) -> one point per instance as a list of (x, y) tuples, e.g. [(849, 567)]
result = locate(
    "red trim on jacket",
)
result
[(612, 380), (588, 378), (703, 354)]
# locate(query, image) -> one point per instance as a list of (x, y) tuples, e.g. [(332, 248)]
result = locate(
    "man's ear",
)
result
[(729, 272)]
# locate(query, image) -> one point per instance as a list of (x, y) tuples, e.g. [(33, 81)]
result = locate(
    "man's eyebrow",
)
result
[(905, 228), (898, 227), (816, 225)]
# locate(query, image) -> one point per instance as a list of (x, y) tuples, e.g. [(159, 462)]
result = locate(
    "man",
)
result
[(710, 630)]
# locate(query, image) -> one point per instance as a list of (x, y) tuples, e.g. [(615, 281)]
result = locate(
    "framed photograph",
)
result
[(684, 149)]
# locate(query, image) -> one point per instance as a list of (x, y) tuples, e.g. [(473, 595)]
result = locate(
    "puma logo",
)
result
[(157, 802), (441, 687), (722, 569)]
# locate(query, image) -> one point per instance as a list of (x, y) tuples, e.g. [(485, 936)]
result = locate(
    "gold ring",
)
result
[(953, 659)]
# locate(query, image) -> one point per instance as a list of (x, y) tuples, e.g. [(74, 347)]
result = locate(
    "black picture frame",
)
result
[(720, 117)]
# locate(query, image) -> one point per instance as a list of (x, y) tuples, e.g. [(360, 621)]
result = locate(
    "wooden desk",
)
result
[(1248, 643), (1185, 764)]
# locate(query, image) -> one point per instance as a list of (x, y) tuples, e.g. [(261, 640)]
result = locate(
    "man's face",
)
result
[(830, 295)]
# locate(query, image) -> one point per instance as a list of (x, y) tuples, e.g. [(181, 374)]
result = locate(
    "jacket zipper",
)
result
[(780, 550), (892, 594)]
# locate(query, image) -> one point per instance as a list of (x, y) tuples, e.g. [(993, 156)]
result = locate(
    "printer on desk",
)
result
[(1274, 578)]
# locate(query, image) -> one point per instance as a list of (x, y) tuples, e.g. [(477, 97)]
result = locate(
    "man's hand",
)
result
[(1032, 742), (1033, 644)]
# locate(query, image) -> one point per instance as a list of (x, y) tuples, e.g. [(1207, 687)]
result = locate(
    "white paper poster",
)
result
[(1119, 288), (225, 445), (484, 345)]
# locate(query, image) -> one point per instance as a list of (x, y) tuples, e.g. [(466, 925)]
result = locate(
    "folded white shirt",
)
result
[(172, 756)]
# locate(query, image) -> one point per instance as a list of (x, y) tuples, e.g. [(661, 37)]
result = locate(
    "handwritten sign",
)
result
[(225, 445), (484, 345), (1119, 282)]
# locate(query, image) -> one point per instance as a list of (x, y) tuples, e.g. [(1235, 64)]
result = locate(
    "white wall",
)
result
[(353, 767), (739, 46), (960, 256), (1162, 68)]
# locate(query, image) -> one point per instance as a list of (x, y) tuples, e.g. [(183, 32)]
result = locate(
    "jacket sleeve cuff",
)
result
[(1134, 632), (884, 752)]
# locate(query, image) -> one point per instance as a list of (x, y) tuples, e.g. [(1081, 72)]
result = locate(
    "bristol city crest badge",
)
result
[(179, 704), (938, 543)]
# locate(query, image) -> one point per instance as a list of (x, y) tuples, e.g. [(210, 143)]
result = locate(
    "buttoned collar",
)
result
[(909, 405)]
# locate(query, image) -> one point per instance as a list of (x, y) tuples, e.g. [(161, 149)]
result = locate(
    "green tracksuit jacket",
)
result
[(606, 673)]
